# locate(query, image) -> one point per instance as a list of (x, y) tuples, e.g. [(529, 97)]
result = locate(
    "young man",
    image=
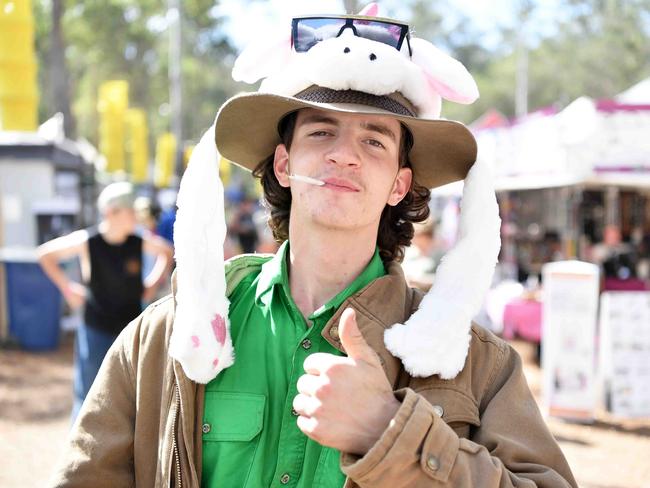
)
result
[(314, 397), (113, 289)]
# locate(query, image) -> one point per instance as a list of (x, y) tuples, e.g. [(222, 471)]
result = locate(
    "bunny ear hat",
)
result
[(345, 73)]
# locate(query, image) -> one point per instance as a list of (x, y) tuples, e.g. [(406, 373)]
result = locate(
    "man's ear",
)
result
[(281, 165), (401, 186)]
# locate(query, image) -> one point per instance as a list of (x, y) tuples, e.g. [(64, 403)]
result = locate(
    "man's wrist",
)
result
[(389, 410)]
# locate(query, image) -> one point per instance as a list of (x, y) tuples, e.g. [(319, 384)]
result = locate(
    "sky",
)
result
[(247, 19)]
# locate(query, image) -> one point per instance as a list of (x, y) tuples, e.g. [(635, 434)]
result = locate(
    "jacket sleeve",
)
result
[(512, 447), (99, 451)]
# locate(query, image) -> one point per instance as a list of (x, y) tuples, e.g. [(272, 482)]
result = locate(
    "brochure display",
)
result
[(625, 352), (569, 316)]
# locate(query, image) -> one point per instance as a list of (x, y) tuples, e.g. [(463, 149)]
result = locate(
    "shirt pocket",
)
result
[(458, 409), (232, 423)]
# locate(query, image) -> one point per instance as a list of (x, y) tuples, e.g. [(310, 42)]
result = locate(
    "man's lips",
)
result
[(341, 184)]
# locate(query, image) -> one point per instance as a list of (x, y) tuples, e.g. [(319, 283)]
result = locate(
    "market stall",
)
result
[(46, 190)]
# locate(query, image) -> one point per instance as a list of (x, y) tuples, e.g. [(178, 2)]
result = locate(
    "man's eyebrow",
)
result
[(380, 128), (319, 119)]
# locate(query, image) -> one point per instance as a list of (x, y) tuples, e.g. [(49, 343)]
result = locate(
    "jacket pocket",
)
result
[(232, 423), (457, 409)]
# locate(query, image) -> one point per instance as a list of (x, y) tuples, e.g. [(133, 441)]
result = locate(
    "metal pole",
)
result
[(521, 95), (525, 9), (175, 80)]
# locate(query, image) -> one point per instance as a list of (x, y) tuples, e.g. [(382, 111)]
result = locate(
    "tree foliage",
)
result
[(597, 48), (127, 39)]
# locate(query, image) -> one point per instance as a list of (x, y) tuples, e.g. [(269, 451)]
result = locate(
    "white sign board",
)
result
[(569, 315), (625, 351)]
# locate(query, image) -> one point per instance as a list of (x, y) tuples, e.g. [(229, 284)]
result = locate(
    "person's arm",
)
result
[(51, 253), (511, 448), (159, 247)]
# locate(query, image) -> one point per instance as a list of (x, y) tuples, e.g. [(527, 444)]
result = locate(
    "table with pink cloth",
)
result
[(522, 317)]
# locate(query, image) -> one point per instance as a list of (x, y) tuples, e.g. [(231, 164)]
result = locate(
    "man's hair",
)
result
[(116, 195), (395, 224)]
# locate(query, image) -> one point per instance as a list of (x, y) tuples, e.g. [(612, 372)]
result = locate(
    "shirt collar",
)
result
[(275, 272)]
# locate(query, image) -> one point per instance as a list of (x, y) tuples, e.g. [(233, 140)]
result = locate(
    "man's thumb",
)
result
[(353, 342)]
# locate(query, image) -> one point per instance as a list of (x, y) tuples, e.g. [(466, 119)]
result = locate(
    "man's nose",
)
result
[(344, 152)]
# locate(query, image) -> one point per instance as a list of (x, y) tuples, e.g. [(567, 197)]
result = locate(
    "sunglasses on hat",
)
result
[(308, 31)]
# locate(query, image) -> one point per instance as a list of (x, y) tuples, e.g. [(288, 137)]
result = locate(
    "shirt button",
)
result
[(306, 344), (294, 413), (432, 463), (206, 428), (438, 410), (285, 478), (334, 333)]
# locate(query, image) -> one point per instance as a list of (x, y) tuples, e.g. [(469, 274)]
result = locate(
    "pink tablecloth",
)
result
[(523, 318), (633, 284)]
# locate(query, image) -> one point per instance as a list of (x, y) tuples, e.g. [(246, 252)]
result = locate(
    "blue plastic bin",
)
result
[(34, 304)]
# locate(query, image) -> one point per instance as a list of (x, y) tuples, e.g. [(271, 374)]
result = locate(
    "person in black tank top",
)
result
[(114, 289)]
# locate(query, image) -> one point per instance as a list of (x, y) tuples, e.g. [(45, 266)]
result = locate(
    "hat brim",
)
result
[(246, 133)]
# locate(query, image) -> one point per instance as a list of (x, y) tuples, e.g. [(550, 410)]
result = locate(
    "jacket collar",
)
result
[(386, 301)]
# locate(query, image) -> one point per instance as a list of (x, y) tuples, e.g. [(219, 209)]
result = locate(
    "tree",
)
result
[(59, 72), (127, 39)]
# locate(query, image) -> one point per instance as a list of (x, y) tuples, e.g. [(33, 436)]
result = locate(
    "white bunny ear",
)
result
[(264, 57), (445, 75), (370, 10), (200, 339), (436, 338)]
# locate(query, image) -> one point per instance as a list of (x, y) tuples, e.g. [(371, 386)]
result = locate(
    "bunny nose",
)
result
[(372, 56), (346, 50)]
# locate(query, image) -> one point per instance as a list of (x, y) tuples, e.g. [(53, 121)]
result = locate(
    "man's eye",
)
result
[(376, 143), (319, 133)]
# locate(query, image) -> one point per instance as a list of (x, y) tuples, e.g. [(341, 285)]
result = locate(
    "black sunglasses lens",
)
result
[(379, 31), (310, 31)]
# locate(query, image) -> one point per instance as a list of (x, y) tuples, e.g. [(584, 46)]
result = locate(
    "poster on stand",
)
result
[(625, 352), (569, 315)]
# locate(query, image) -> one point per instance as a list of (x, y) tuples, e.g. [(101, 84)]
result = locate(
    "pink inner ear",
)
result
[(445, 91), (370, 10)]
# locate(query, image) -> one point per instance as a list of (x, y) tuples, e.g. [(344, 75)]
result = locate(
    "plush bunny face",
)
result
[(347, 62)]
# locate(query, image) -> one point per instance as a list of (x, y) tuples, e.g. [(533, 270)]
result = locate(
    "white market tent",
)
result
[(638, 94), (590, 143)]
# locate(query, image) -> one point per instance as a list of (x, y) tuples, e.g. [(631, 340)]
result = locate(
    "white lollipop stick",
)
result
[(306, 179)]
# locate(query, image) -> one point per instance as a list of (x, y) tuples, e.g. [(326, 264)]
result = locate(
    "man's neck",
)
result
[(322, 264), (110, 234)]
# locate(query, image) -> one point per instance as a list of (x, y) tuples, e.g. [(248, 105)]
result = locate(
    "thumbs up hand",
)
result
[(345, 402)]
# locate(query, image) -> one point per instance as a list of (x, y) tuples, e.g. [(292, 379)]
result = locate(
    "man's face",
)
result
[(122, 219), (357, 158)]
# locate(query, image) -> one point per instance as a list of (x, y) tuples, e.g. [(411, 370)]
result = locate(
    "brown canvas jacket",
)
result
[(141, 422)]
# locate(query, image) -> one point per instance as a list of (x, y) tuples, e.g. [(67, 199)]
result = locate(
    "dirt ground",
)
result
[(35, 402)]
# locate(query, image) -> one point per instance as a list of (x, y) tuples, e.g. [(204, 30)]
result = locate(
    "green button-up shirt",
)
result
[(250, 435)]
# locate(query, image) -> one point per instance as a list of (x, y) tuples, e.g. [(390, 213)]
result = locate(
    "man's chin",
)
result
[(338, 222)]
